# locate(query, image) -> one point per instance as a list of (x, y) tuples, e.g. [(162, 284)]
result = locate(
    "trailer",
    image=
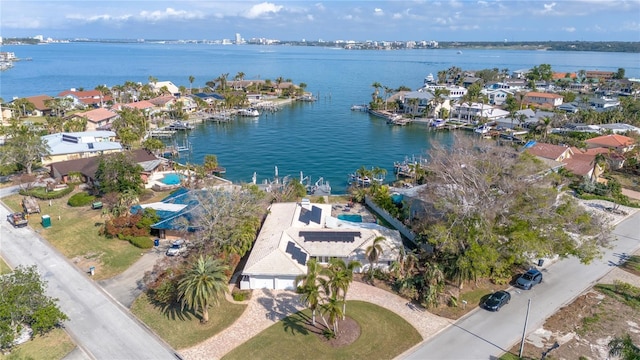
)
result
[(18, 219), (30, 205)]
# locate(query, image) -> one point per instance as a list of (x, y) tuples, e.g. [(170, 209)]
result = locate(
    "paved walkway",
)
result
[(267, 307)]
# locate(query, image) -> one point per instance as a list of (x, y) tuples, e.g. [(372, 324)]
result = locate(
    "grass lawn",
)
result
[(384, 335), (54, 345), (473, 294), (183, 329), (4, 268), (632, 264), (74, 232)]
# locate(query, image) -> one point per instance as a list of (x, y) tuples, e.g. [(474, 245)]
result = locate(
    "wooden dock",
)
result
[(162, 133)]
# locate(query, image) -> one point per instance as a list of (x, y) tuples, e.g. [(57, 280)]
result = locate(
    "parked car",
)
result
[(177, 247), (527, 280), (18, 219), (496, 300)]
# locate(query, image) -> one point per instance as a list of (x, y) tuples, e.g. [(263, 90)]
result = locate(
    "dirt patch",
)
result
[(583, 329), (85, 262), (348, 332)]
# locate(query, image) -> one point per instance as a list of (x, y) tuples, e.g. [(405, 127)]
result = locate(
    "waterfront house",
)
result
[(83, 99), (597, 75), (293, 233), (77, 145), (604, 103), (541, 99), (455, 92), (98, 119), (40, 104), (498, 96), (474, 112)]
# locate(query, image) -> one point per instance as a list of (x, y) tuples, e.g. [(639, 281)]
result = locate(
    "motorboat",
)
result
[(250, 112), (359, 108), (179, 125), (364, 181), (482, 130), (438, 123)]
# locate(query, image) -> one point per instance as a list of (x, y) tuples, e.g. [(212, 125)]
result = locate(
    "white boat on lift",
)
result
[(250, 112)]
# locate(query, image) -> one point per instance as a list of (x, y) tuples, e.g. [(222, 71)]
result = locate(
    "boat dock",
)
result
[(162, 133)]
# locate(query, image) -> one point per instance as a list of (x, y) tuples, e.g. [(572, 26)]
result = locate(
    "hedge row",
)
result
[(42, 193), (141, 242)]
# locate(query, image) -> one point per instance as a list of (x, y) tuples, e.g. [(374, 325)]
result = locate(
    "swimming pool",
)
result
[(350, 217), (171, 179)]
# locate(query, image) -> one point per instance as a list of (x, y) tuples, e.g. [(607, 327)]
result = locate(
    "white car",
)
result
[(177, 247)]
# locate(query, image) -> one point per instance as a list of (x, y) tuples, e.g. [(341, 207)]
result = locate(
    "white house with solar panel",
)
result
[(293, 233)]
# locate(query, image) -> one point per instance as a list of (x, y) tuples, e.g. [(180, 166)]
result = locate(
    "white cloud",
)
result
[(310, 17), (262, 10), (631, 26), (396, 16), (169, 13), (483, 3), (548, 7), (378, 12), (320, 6), (569, 29)]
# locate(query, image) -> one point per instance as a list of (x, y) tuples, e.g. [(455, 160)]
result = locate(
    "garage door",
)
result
[(285, 283), (261, 282)]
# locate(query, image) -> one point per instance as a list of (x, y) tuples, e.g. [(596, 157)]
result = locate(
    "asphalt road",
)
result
[(101, 327), (487, 335)]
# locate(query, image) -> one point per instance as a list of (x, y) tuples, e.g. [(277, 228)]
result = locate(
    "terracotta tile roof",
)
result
[(580, 164), (39, 100), (161, 100), (561, 75), (543, 95), (98, 115), (548, 151), (144, 104), (615, 141)]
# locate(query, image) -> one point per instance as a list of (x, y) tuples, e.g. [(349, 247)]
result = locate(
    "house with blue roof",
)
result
[(176, 212)]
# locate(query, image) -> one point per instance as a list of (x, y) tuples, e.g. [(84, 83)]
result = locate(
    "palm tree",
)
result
[(205, 283), (373, 253), (340, 278), (191, 80), (624, 348)]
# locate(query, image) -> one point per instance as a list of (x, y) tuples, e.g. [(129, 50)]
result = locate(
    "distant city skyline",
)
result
[(447, 20)]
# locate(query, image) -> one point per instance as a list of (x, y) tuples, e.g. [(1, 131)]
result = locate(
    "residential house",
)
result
[(77, 145), (541, 99), (293, 233), (620, 128), (64, 171), (86, 98), (597, 75), (415, 102), (498, 96), (455, 92), (578, 162), (477, 111), (40, 104), (618, 143), (171, 88), (98, 119), (604, 103)]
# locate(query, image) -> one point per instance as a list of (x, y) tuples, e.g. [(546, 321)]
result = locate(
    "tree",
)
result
[(23, 303), (118, 173), (23, 147), (373, 253), (152, 144), (210, 163), (203, 285), (340, 278), (624, 348), (309, 289), (191, 80)]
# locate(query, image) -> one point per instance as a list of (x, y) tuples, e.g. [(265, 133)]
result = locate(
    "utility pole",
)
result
[(524, 331)]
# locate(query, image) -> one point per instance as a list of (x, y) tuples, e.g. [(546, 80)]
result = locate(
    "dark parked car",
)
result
[(496, 300), (527, 280)]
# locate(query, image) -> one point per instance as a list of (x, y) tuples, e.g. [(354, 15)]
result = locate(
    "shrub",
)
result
[(240, 295), (141, 242), (42, 193), (80, 199)]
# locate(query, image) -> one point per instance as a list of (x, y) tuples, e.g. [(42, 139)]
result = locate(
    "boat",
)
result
[(357, 179), (483, 129), (359, 108), (438, 123), (307, 97), (459, 52), (250, 112), (179, 125)]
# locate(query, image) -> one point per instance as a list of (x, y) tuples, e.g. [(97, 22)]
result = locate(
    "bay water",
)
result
[(322, 138)]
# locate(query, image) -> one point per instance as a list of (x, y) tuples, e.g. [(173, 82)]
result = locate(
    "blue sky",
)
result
[(445, 20)]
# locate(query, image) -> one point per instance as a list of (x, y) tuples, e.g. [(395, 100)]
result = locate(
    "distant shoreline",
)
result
[(578, 46)]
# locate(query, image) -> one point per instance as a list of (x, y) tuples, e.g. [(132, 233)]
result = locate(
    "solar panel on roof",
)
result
[(313, 215), (296, 253), (337, 236)]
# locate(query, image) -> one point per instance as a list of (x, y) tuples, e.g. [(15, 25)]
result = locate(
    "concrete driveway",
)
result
[(101, 327)]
